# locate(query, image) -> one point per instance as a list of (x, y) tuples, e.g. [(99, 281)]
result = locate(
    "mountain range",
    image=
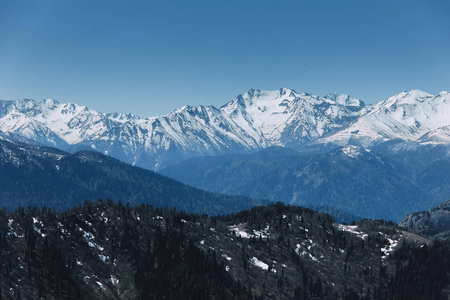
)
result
[(351, 178), (252, 121)]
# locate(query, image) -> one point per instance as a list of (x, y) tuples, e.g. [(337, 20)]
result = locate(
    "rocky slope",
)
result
[(433, 222)]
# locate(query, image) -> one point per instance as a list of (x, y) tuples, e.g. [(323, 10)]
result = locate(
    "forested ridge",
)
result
[(38, 176), (110, 250)]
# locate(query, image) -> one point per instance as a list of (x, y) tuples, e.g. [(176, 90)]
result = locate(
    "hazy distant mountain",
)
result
[(351, 179), (228, 173), (253, 121), (41, 176)]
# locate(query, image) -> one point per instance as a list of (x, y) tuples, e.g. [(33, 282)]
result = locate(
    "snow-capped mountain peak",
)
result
[(412, 97), (24, 105), (443, 94), (285, 117), (253, 120), (50, 103), (406, 116)]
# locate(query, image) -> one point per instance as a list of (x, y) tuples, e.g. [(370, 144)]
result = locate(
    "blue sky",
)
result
[(150, 57)]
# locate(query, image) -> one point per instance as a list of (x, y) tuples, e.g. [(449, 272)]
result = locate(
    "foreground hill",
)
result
[(40, 176), (111, 251)]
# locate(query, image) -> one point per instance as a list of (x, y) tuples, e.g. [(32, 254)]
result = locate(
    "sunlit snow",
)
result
[(258, 263)]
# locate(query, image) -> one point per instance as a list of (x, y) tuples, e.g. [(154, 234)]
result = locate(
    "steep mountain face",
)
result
[(40, 176), (255, 120), (433, 222), (108, 250), (286, 118), (351, 179)]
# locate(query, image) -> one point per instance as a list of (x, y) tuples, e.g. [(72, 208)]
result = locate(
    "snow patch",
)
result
[(256, 262), (101, 285), (114, 280), (389, 248), (352, 151), (104, 258), (351, 229), (239, 230), (226, 257), (36, 228)]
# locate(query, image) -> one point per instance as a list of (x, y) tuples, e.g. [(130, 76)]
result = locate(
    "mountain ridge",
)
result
[(110, 250), (41, 176), (252, 121)]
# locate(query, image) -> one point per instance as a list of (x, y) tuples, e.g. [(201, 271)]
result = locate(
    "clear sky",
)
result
[(151, 57)]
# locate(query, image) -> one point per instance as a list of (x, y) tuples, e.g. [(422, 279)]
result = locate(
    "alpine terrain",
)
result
[(253, 121)]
